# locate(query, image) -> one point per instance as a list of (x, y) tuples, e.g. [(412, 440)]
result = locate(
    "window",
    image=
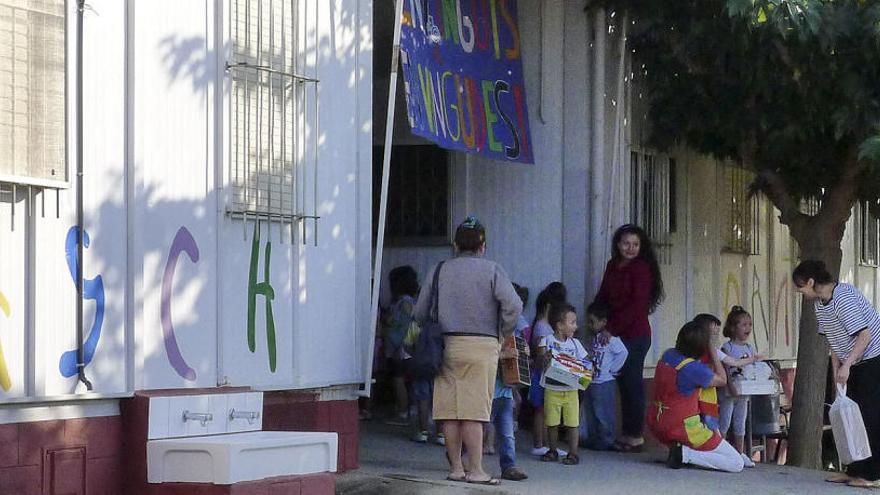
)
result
[(869, 233), (654, 199), (417, 213), (32, 92), (740, 211), (272, 170)]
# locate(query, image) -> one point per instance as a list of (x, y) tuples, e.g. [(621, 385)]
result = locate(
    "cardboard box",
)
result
[(568, 371)]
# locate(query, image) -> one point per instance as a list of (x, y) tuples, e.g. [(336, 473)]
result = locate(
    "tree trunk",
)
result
[(805, 434)]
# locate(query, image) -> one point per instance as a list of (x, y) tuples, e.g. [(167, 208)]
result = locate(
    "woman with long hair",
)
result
[(632, 288)]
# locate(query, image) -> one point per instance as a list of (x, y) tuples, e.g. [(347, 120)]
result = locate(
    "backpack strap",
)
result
[(684, 362), (434, 313)]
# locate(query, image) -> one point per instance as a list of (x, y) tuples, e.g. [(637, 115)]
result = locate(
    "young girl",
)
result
[(561, 404), (608, 357), (738, 355), (554, 293), (404, 289)]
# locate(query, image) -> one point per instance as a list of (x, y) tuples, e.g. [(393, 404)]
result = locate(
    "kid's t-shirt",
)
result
[(572, 347), (607, 358)]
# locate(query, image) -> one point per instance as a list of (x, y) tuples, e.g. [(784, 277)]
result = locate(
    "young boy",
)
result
[(608, 355), (561, 405), (502, 417)]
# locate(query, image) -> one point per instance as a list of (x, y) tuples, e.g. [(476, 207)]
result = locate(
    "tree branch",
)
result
[(771, 183), (839, 199)]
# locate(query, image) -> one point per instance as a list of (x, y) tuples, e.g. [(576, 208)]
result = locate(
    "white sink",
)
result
[(248, 456)]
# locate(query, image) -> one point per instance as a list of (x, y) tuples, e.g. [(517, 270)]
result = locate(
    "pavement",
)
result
[(391, 464)]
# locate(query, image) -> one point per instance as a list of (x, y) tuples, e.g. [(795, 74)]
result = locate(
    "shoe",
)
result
[(440, 439), (863, 483), (562, 453), (550, 456), (747, 461), (539, 451), (514, 474), (420, 437), (674, 460)]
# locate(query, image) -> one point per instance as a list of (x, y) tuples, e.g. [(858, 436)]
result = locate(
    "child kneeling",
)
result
[(561, 405)]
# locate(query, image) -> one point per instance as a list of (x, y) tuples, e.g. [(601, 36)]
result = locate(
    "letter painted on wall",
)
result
[(450, 47), (93, 289), (264, 289), (183, 243), (5, 380)]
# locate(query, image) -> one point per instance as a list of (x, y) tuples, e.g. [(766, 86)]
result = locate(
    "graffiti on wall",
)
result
[(5, 380), (758, 308), (93, 290), (264, 289), (183, 243)]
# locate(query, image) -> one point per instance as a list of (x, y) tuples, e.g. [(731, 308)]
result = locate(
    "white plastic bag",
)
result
[(850, 436)]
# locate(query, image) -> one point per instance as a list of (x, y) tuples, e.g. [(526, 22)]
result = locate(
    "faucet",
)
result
[(203, 418), (250, 416)]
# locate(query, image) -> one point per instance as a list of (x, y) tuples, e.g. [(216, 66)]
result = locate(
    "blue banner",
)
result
[(463, 78)]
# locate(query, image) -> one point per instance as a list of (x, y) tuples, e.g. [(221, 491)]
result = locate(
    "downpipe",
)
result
[(80, 358)]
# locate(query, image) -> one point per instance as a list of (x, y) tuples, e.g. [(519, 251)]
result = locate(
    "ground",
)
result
[(391, 464)]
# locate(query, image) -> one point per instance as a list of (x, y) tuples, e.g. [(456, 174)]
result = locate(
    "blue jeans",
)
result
[(505, 442), (632, 386), (601, 416)]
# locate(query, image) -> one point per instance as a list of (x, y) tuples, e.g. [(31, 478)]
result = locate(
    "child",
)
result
[(502, 417), (608, 356), (404, 289), (674, 413), (554, 293), (739, 354), (561, 401)]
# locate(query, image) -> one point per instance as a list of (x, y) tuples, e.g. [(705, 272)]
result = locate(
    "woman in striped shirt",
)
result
[(852, 327)]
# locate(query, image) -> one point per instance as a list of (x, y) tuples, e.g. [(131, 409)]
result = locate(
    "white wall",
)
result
[(155, 155)]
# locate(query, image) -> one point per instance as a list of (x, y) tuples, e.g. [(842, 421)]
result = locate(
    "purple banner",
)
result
[(463, 78)]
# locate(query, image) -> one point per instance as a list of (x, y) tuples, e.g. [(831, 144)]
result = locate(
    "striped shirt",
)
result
[(841, 318)]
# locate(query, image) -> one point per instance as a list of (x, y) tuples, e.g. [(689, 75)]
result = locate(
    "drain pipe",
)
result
[(80, 361), (383, 202), (598, 167)]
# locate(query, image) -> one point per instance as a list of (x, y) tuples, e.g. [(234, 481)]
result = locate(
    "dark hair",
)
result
[(404, 281), (707, 320), (555, 292), (470, 235), (811, 269), (646, 252), (599, 309), (557, 313), (522, 292), (693, 340), (732, 320)]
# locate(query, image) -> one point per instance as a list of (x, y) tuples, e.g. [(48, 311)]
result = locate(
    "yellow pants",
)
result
[(561, 407)]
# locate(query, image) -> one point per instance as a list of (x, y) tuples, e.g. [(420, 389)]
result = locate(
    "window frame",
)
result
[(69, 125), (864, 216)]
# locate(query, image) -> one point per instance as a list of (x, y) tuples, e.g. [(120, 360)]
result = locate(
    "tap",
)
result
[(203, 418), (250, 416)]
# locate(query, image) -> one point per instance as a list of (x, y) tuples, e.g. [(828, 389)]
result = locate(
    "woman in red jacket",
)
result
[(632, 288)]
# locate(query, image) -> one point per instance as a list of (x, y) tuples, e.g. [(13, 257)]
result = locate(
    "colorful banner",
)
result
[(463, 78)]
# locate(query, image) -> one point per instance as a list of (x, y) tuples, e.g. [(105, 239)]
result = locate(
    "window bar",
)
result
[(57, 204), (30, 202), (43, 202), (12, 204)]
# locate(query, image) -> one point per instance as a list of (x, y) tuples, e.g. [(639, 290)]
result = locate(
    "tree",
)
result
[(789, 89)]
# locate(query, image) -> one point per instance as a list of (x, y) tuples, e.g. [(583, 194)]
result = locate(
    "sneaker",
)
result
[(539, 451), (440, 439), (674, 460), (420, 437), (747, 461), (562, 452)]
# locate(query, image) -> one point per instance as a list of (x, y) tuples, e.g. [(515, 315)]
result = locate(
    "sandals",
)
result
[(571, 460), (863, 483), (552, 455), (627, 448), (838, 478), (491, 481)]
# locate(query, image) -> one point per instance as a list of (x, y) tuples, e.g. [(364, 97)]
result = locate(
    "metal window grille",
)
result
[(869, 234), (654, 199), (418, 195), (32, 91), (274, 108), (742, 212)]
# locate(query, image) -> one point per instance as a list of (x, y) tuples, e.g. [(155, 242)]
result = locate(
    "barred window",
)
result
[(32, 91), (654, 199), (869, 233), (418, 195), (740, 211), (273, 109)]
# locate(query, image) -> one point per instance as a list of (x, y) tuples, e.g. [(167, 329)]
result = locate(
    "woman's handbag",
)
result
[(848, 427), (427, 356)]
